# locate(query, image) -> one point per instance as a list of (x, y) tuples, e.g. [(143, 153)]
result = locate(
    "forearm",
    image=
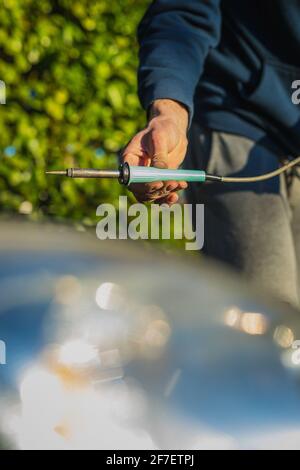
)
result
[(170, 109)]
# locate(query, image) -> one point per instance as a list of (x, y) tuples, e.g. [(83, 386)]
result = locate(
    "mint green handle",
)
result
[(148, 174)]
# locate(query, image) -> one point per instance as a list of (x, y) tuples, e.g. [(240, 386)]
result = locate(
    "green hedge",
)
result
[(70, 72)]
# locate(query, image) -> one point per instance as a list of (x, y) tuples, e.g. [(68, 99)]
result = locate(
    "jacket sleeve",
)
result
[(175, 37)]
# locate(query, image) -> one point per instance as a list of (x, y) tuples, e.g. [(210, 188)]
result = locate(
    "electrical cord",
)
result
[(253, 179)]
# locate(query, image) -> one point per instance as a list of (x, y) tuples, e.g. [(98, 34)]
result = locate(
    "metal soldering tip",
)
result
[(57, 172)]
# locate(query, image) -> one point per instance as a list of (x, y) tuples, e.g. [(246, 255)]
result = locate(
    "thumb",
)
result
[(157, 148)]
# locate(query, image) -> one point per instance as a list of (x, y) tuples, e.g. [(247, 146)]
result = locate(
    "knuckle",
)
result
[(159, 162)]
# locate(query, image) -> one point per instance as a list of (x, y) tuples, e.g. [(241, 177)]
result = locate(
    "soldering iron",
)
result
[(127, 174)]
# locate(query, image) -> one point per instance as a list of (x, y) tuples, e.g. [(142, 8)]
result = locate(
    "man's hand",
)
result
[(162, 144)]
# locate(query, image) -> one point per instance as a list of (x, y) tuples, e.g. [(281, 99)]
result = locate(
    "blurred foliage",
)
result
[(70, 73)]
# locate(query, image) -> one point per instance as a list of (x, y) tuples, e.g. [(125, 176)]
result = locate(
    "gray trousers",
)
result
[(253, 227)]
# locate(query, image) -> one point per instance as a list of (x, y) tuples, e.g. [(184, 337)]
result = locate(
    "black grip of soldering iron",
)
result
[(124, 177)]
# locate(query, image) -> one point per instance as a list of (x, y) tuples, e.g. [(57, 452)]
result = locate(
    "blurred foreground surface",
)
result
[(108, 348)]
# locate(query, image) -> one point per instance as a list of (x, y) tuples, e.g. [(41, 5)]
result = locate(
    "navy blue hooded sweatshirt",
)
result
[(231, 62)]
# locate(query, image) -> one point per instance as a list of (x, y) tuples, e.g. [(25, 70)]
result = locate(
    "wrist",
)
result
[(170, 109)]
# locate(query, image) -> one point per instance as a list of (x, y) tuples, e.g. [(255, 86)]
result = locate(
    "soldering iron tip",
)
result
[(57, 172)]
